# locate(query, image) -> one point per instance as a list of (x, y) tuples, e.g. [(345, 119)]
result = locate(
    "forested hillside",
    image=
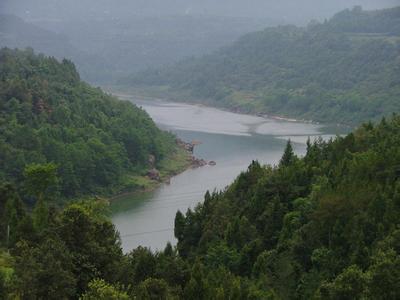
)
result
[(344, 70), (384, 21), (325, 226), (50, 117)]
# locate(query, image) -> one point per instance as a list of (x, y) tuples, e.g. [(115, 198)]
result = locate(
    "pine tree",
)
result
[(288, 156)]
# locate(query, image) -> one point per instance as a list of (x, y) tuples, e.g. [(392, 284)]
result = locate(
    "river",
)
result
[(231, 140)]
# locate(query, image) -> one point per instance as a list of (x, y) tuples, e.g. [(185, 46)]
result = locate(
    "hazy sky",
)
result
[(278, 9)]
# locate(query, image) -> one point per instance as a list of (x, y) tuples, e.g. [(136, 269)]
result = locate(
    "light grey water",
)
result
[(232, 140)]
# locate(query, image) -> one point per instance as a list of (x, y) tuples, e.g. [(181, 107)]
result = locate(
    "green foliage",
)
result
[(153, 289), (61, 258), (44, 271), (323, 226), (95, 246), (11, 212), (3, 293), (98, 289), (288, 156), (142, 264), (384, 275), (350, 284), (50, 118), (344, 70), (39, 178), (40, 215)]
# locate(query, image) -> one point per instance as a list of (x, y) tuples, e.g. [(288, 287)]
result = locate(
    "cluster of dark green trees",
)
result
[(344, 70), (325, 226), (47, 114)]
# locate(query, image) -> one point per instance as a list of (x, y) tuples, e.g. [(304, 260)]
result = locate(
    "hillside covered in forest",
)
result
[(325, 226), (345, 70), (48, 115)]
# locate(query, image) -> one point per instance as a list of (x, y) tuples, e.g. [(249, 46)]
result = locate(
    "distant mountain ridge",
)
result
[(385, 21), (343, 70), (287, 10), (16, 33), (108, 48)]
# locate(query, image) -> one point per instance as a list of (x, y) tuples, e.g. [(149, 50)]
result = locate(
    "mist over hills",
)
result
[(111, 48), (112, 39), (16, 33), (323, 224), (287, 10), (137, 43)]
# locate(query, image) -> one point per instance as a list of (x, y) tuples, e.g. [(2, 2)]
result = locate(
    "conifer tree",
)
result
[(288, 155)]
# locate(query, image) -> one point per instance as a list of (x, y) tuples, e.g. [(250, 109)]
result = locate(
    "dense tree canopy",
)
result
[(47, 115), (322, 226), (325, 226), (344, 70)]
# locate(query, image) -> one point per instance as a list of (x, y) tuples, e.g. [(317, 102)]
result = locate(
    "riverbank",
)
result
[(229, 139), (176, 163)]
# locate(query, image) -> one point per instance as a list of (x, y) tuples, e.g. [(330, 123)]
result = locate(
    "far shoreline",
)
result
[(124, 92)]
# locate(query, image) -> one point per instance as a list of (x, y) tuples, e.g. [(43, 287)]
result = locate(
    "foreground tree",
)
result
[(44, 271), (40, 179), (99, 289)]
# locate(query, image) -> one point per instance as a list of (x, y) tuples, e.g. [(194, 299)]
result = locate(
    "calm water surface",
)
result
[(232, 140)]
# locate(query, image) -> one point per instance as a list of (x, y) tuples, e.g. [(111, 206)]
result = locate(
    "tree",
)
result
[(197, 287), (350, 284), (288, 155), (172, 268), (45, 271), (385, 274), (93, 242), (11, 213), (220, 255), (153, 289), (141, 265), (40, 178), (98, 289), (179, 227)]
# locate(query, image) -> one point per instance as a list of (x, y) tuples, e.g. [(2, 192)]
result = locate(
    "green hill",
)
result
[(325, 226), (48, 115), (344, 70)]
